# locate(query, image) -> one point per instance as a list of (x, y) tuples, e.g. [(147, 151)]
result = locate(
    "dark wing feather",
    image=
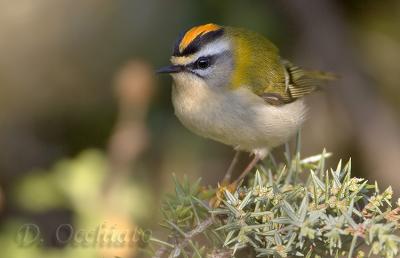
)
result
[(302, 82), (296, 84)]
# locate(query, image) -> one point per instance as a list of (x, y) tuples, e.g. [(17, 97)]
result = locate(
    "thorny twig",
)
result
[(272, 216), (189, 236)]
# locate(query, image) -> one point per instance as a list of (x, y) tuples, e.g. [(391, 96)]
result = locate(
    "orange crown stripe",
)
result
[(195, 32)]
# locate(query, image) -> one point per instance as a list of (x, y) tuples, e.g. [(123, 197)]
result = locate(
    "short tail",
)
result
[(323, 76)]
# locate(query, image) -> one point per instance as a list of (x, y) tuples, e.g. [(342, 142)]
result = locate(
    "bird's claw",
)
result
[(215, 202)]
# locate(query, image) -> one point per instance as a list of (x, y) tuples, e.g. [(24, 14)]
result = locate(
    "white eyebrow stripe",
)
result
[(214, 48)]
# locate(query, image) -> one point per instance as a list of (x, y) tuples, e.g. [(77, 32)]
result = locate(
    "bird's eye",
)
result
[(203, 63)]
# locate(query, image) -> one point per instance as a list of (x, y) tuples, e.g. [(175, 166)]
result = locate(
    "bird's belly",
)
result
[(238, 118)]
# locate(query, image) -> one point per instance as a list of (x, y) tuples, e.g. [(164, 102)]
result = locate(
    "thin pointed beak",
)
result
[(170, 69)]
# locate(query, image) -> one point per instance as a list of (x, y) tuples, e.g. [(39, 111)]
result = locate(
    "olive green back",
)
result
[(259, 67)]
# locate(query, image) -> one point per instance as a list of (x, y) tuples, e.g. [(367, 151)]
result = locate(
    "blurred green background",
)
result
[(87, 132)]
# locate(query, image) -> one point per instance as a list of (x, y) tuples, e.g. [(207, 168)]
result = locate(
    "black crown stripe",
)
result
[(197, 43)]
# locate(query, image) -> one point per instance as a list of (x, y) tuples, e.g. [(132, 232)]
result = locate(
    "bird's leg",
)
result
[(228, 174), (247, 170), (216, 200)]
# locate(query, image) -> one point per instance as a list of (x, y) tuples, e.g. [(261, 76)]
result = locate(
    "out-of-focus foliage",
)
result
[(76, 185), (376, 26)]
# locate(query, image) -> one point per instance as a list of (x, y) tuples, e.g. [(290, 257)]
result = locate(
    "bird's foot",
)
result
[(215, 202), (231, 187)]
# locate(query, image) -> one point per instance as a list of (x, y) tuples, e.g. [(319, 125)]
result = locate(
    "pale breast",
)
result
[(235, 117)]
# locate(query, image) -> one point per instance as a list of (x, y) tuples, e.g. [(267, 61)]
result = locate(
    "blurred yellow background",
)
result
[(88, 134)]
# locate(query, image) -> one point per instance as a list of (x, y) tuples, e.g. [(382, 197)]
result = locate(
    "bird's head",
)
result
[(202, 53)]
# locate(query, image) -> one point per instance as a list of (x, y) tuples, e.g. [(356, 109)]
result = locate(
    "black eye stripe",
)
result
[(211, 59), (203, 63)]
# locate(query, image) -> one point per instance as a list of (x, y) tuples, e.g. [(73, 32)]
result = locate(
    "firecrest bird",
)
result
[(231, 85)]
